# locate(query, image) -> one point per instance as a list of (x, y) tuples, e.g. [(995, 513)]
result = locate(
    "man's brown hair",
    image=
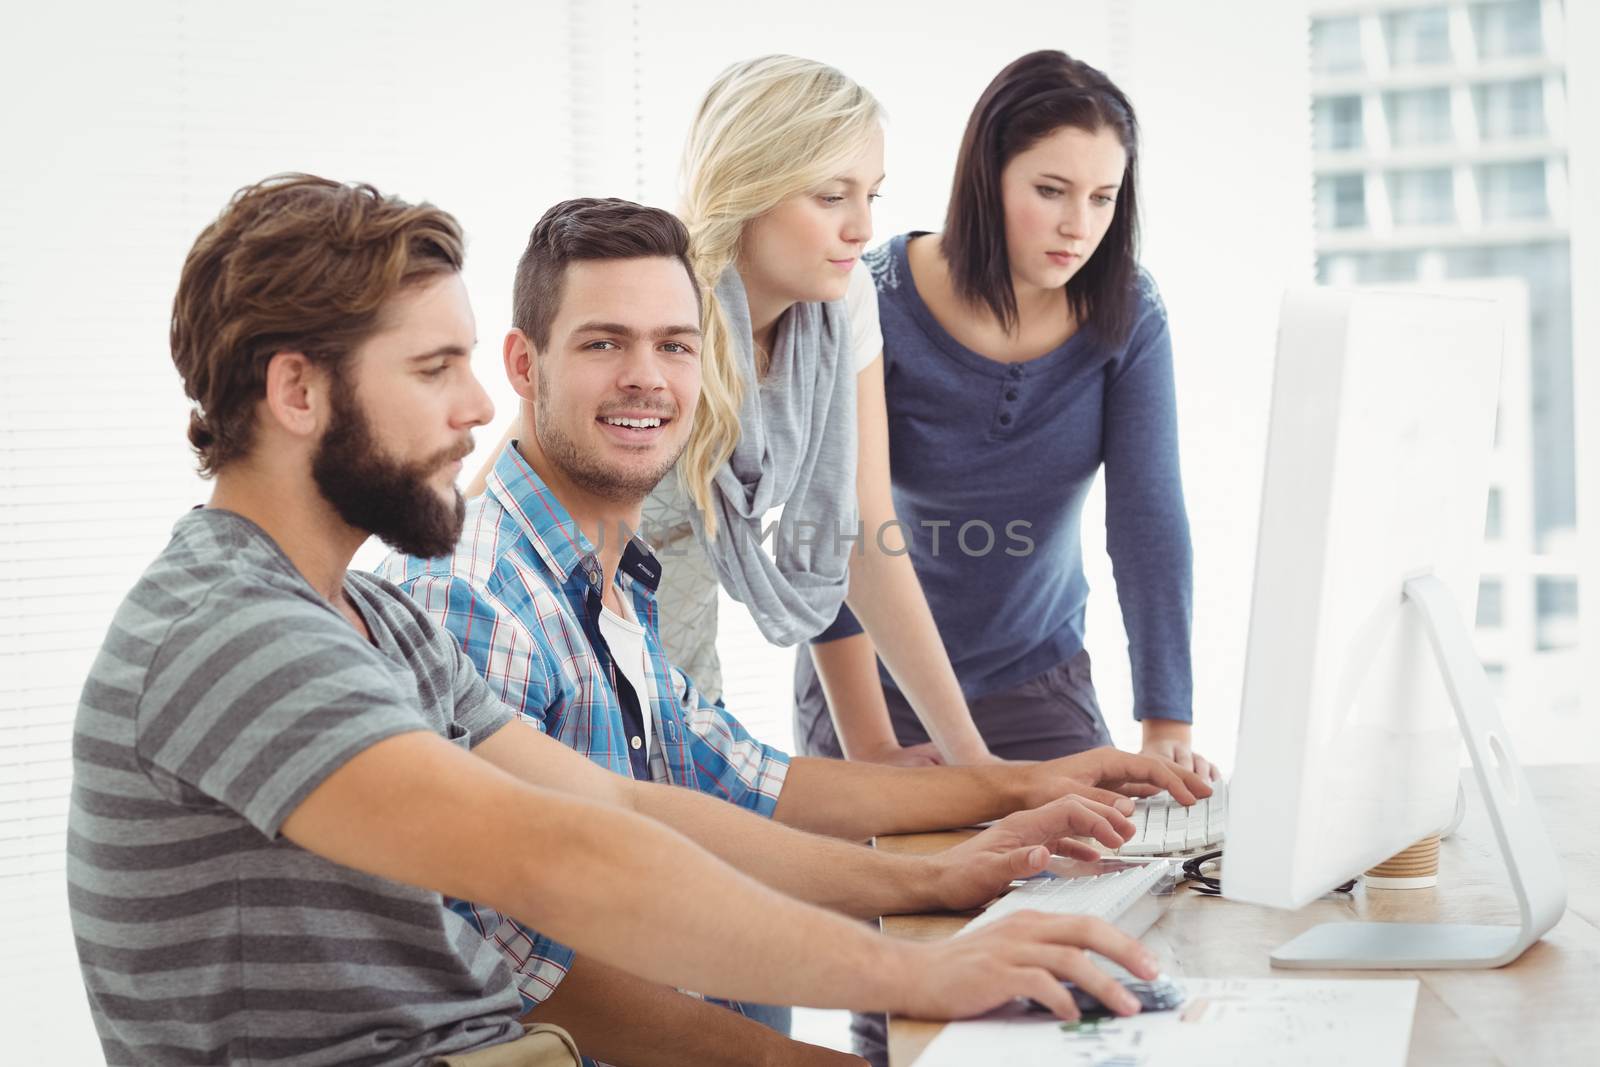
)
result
[(585, 229), (295, 263)]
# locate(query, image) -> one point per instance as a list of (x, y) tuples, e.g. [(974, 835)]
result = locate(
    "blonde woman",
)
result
[(782, 164)]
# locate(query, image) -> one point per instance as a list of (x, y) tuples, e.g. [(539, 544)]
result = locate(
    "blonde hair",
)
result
[(769, 128)]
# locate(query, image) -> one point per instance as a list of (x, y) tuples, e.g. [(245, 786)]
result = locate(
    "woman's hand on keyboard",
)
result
[(1174, 741), (1110, 776), (1019, 845), (1028, 954)]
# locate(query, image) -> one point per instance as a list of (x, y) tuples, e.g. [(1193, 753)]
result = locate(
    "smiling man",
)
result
[(554, 603)]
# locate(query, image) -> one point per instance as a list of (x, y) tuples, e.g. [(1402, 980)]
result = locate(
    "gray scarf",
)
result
[(796, 451)]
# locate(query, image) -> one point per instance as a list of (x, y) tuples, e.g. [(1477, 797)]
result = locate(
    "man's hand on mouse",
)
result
[(1023, 955)]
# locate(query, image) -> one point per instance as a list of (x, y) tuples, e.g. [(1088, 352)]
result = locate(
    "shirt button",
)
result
[(1005, 419), (1016, 372), (637, 744), (1011, 394), (594, 579)]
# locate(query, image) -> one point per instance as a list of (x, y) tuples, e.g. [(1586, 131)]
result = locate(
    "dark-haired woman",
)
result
[(1024, 349)]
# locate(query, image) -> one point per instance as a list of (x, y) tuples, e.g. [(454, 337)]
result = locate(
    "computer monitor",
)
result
[(1360, 680)]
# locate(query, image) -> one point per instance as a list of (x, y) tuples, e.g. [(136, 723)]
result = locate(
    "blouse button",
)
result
[(637, 744), (1005, 419)]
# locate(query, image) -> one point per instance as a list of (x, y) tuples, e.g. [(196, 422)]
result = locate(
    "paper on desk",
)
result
[(1224, 1022)]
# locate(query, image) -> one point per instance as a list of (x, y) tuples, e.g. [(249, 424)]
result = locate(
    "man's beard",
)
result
[(622, 485), (373, 492)]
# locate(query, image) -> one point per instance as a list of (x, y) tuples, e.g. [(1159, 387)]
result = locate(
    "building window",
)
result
[(1418, 117), (1507, 29), (1336, 46), (1337, 270), (1417, 38), (1509, 110), (1378, 268), (1493, 523), (1422, 197), (1557, 604), (1341, 202), (1491, 604), (1511, 192), (1473, 262), (1337, 121)]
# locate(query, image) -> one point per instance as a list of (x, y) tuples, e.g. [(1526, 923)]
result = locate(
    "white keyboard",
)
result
[(1167, 828), (1112, 890)]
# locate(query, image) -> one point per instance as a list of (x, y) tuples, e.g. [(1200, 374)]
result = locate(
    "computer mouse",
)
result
[(1159, 994)]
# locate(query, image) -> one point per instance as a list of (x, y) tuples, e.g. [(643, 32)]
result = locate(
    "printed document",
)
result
[(1224, 1022)]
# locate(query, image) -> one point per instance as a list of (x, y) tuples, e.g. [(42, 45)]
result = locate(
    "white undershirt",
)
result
[(625, 637), (866, 333)]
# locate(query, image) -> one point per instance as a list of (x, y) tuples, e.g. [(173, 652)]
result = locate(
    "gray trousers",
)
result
[(1049, 715)]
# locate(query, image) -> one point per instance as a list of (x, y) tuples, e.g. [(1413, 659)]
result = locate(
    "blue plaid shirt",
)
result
[(521, 595)]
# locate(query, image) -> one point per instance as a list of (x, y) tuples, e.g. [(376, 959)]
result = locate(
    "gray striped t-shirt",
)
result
[(226, 691)]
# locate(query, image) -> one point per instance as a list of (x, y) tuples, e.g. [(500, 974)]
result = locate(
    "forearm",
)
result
[(836, 874), (888, 600), (703, 926), (623, 888), (848, 671), (616, 1017), (886, 597), (1147, 531), (860, 800), (1153, 591)]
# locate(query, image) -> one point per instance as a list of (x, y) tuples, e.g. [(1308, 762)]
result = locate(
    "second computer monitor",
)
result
[(1382, 425)]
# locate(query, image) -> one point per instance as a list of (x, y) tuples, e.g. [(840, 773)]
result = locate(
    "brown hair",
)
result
[(1031, 98), (295, 263), (586, 229)]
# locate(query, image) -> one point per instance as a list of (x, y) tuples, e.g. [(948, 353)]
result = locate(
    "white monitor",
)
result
[(1360, 681)]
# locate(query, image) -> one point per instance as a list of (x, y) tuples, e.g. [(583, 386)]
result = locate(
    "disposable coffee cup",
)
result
[(1415, 868)]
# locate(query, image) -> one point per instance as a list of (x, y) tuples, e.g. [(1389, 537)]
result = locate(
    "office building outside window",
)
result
[(1510, 192), (1341, 202), (1510, 110), (1417, 37), (1459, 183), (1336, 46), (1379, 268), (1491, 609), (1422, 197), (1558, 612), (1337, 123), (1507, 29), (1418, 117)]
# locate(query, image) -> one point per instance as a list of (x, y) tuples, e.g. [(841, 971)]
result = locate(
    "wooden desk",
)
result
[(1542, 1009)]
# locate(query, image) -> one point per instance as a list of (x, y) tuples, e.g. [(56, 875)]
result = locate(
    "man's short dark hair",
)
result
[(588, 229)]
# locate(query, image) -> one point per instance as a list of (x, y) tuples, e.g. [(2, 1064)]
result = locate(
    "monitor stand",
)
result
[(1536, 877)]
